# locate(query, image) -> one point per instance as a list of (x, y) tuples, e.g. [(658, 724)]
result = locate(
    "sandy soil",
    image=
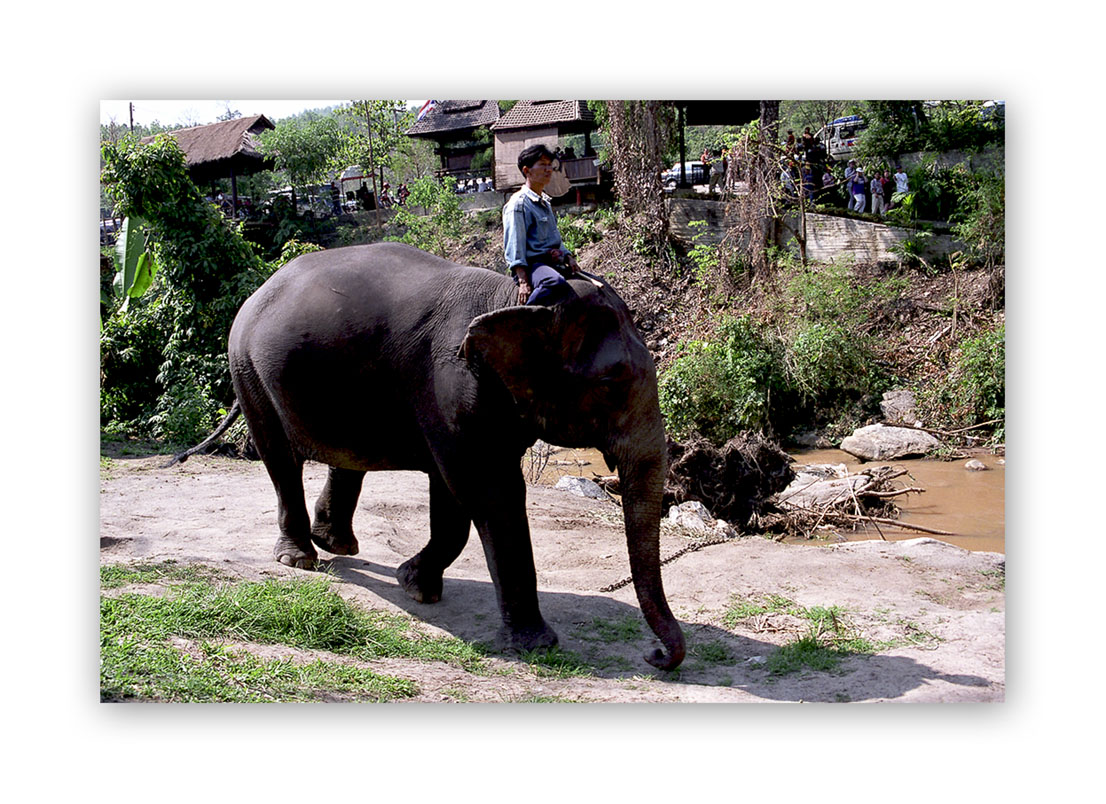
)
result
[(943, 606)]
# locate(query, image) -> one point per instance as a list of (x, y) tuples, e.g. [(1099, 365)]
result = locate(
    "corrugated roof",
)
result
[(219, 141), (455, 115), (534, 113)]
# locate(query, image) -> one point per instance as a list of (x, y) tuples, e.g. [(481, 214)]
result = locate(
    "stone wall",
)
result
[(828, 236)]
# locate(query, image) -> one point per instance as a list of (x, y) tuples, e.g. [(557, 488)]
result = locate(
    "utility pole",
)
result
[(131, 105)]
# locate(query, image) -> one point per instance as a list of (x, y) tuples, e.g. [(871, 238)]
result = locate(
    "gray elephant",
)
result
[(385, 357)]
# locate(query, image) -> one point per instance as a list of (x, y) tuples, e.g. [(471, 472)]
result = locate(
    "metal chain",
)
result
[(691, 548)]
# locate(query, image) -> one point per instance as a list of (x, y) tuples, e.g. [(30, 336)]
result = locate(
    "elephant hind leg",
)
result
[(421, 575), (333, 528), (285, 467)]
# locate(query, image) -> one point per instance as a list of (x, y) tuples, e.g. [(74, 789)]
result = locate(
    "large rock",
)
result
[(879, 442), (694, 516), (898, 407), (581, 487)]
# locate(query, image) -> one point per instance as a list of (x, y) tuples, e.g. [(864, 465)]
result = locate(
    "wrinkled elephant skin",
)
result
[(385, 357)]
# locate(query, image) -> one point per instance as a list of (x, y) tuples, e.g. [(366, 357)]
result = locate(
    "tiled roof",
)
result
[(455, 115), (532, 113)]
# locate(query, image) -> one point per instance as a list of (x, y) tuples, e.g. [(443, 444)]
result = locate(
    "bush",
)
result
[(441, 222), (974, 390), (723, 386)]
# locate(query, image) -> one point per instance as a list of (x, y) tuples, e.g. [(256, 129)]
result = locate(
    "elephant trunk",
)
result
[(641, 475)]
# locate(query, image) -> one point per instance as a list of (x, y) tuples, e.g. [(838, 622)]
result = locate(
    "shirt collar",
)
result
[(534, 196)]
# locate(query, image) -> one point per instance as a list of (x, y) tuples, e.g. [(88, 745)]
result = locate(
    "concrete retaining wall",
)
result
[(828, 236)]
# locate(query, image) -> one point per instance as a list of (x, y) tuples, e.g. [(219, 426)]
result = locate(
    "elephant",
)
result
[(386, 357)]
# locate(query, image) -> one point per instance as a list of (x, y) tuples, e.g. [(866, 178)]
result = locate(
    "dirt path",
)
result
[(940, 607)]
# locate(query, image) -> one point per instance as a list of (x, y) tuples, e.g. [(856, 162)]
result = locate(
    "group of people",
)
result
[(480, 185), (387, 200), (880, 188)]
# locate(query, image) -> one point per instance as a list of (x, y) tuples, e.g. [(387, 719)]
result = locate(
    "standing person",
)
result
[(536, 256), (876, 187), (717, 172), (902, 181), (850, 174), (828, 180), (888, 190), (857, 189)]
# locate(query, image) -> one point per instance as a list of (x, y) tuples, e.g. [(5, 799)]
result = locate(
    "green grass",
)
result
[(139, 661), (117, 575), (829, 635), (626, 629), (556, 663)]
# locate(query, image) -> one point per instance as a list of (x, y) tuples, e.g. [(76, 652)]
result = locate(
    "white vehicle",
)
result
[(841, 136)]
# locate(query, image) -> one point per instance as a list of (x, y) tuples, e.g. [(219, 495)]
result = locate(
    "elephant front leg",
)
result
[(421, 575), (505, 535), (333, 527)]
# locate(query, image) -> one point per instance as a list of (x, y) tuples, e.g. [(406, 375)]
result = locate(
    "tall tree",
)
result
[(306, 149)]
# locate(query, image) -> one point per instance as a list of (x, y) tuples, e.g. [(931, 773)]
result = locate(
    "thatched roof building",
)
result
[(224, 150)]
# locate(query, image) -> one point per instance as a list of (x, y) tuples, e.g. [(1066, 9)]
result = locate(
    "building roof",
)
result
[(451, 116), (545, 113), (214, 149)]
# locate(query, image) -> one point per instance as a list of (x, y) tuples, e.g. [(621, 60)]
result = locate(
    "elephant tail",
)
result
[(224, 425)]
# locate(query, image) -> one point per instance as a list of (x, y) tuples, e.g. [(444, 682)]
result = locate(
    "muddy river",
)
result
[(969, 504)]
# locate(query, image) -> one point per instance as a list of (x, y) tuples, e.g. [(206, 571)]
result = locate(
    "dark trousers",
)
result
[(549, 286)]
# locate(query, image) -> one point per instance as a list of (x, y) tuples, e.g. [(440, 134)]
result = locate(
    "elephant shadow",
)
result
[(607, 638)]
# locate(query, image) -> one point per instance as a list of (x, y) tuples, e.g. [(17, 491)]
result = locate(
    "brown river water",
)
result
[(968, 504)]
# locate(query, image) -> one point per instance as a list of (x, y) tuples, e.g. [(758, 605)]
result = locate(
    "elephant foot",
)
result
[(288, 553), (420, 584), (526, 639), (340, 544)]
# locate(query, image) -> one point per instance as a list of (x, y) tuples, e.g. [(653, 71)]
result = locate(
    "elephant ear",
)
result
[(518, 344)]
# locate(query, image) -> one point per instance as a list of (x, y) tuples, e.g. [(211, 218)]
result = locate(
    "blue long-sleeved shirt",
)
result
[(529, 228)]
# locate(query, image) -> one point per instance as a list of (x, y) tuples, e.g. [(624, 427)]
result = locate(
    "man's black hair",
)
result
[(530, 156)]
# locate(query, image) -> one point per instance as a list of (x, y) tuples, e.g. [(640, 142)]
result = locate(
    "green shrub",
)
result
[(442, 219), (722, 386), (975, 389)]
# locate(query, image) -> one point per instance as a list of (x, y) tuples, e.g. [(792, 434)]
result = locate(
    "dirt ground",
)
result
[(941, 607)]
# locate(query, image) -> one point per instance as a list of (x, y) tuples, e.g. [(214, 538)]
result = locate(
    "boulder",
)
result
[(898, 407), (694, 516), (581, 487), (878, 442), (976, 465)]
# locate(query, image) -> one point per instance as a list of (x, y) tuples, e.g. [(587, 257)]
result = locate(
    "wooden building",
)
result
[(530, 122), (451, 126)]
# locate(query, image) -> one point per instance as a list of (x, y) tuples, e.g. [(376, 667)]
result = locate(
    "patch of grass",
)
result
[(114, 576), (138, 659), (160, 672), (829, 635), (556, 663), (626, 629), (715, 652), (766, 604)]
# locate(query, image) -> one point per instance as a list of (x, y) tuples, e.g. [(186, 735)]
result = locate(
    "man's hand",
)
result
[(571, 263), (524, 290)]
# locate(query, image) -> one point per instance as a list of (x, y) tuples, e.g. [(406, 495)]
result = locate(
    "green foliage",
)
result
[(704, 256), (898, 127), (980, 217), (305, 148), (580, 231), (816, 359), (205, 271), (722, 386), (432, 216), (974, 390)]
